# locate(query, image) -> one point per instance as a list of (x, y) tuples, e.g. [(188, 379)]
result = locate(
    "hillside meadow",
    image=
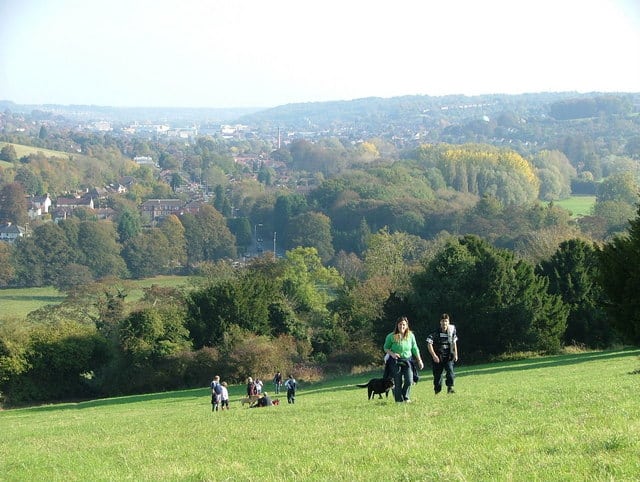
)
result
[(19, 302), (578, 205), (569, 417), (23, 150)]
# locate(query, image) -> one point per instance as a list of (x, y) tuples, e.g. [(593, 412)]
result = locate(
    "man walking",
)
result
[(277, 382), (443, 348)]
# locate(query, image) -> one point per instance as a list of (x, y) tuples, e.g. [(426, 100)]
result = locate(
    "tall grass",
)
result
[(571, 417)]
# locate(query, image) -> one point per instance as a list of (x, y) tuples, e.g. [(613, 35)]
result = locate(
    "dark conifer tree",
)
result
[(620, 279)]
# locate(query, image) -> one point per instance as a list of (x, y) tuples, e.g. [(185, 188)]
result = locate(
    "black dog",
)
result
[(378, 386)]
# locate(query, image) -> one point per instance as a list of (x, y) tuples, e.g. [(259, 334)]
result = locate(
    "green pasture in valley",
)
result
[(569, 417), (19, 302), (578, 205), (22, 150)]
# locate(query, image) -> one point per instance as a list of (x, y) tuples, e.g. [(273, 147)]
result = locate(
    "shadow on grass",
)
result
[(194, 393), (494, 368), (49, 299), (237, 393), (550, 361)]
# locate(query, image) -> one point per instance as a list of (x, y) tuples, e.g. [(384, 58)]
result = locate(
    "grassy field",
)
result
[(570, 417), (22, 150), (578, 205), (18, 302)]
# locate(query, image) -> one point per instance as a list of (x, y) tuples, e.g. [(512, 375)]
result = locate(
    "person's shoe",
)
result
[(407, 401), (450, 390), (436, 391)]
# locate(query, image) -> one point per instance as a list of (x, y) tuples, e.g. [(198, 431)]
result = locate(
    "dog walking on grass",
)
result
[(377, 386)]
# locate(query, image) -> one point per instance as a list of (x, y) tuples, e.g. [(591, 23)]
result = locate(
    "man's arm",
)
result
[(432, 352)]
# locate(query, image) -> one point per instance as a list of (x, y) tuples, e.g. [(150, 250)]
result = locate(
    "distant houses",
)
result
[(38, 205), (145, 161), (10, 232), (158, 209), (66, 205)]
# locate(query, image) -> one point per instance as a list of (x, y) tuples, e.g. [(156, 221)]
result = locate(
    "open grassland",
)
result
[(570, 417), (578, 205), (22, 150), (19, 302)]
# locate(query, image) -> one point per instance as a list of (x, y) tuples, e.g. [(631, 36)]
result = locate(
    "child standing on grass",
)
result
[(216, 391), (290, 385), (224, 396)]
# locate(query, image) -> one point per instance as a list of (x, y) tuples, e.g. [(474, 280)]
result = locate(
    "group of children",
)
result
[(220, 394)]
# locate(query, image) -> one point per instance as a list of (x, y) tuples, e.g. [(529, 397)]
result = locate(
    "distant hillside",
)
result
[(371, 111), (422, 110), (171, 115)]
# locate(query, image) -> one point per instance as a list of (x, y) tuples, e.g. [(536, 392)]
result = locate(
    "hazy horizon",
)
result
[(253, 54)]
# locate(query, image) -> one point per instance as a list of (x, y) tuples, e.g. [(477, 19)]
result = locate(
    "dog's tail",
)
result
[(363, 386)]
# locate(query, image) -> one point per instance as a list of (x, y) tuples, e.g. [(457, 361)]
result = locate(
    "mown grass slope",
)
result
[(570, 417)]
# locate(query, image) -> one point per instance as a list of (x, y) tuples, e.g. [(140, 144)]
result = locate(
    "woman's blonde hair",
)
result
[(396, 333)]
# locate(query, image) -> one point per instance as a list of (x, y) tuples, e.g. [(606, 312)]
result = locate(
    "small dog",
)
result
[(250, 400), (378, 386), (276, 401)]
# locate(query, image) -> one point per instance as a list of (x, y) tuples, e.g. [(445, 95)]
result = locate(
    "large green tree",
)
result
[(129, 225), (97, 241), (572, 272), (147, 253), (619, 263), (286, 207), (31, 182), (619, 187), (7, 271), (498, 303), (312, 229), (207, 235), (53, 363), (56, 251), (177, 244), (13, 204), (8, 153), (27, 263)]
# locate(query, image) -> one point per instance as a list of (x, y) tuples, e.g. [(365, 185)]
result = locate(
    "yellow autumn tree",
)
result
[(483, 170)]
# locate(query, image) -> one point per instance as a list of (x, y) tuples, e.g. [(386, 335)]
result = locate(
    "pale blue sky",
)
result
[(258, 53)]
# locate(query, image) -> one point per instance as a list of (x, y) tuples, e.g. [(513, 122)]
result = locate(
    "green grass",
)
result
[(22, 150), (19, 302), (570, 417), (578, 205)]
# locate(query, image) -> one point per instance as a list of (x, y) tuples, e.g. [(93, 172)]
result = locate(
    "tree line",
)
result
[(295, 314), (367, 230)]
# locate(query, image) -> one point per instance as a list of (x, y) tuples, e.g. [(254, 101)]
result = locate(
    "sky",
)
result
[(260, 53)]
